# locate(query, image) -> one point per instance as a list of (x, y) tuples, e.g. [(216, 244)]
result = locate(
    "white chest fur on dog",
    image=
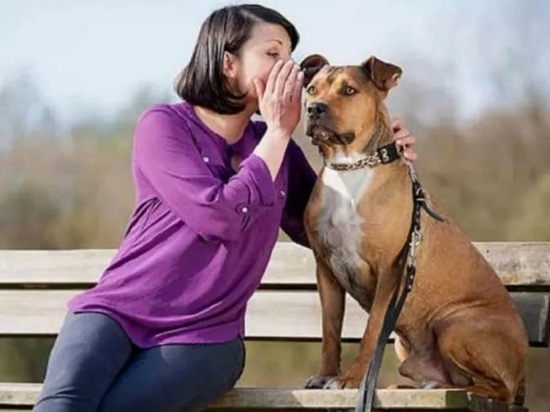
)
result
[(339, 224)]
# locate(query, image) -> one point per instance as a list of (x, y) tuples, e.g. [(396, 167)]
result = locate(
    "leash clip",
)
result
[(416, 238)]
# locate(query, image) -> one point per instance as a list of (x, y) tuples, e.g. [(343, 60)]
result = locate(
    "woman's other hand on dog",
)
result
[(404, 139)]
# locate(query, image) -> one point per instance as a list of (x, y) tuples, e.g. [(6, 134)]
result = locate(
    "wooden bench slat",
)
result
[(25, 394), (271, 314), (517, 263)]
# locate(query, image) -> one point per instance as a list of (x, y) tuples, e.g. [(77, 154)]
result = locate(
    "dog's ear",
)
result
[(311, 66), (384, 75)]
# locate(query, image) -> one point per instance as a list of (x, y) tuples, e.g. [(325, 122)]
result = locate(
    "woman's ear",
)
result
[(229, 65)]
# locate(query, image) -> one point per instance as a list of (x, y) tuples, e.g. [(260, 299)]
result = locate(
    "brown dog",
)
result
[(459, 326)]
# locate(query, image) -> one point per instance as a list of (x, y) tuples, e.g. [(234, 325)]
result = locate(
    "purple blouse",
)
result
[(201, 235)]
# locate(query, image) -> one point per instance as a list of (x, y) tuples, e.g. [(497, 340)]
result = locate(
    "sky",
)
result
[(98, 53)]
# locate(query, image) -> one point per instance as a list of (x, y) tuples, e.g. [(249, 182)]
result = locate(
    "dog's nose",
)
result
[(316, 110)]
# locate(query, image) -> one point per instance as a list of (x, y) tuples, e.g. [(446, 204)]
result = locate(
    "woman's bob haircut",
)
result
[(202, 82)]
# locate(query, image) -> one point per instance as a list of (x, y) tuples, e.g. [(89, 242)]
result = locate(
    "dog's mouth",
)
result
[(320, 134)]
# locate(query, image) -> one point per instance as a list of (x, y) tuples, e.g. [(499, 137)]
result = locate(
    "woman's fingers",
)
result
[(403, 138), (297, 89), (406, 141), (280, 103), (270, 84), (290, 82), (410, 154), (396, 124), (281, 78)]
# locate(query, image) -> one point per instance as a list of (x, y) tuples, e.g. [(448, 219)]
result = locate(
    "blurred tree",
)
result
[(24, 110), (531, 222)]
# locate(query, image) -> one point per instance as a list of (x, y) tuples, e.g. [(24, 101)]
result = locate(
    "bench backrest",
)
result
[(35, 286)]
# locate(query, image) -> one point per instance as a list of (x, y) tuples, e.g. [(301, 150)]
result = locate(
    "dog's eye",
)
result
[(348, 90), (311, 89)]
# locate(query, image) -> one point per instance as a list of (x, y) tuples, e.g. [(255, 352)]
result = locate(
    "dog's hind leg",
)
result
[(422, 363), (426, 371), (402, 353), (492, 360)]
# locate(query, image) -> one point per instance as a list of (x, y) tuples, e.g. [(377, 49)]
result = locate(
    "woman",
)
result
[(163, 328)]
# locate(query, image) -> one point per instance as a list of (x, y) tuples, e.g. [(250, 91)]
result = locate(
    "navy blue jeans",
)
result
[(93, 367)]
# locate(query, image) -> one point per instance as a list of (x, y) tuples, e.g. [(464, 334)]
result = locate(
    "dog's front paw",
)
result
[(343, 382), (317, 382)]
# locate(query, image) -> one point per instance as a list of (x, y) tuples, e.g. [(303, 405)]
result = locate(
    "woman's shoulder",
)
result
[(162, 110), (162, 123), (162, 117)]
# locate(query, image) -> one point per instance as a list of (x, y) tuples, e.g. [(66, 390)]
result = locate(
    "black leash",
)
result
[(407, 257)]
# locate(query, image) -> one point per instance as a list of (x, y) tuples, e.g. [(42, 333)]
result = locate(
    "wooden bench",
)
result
[(34, 286)]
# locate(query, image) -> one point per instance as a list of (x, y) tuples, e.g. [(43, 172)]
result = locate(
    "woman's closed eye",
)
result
[(275, 55)]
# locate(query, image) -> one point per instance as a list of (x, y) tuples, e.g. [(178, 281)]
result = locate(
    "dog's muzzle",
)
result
[(316, 110), (318, 126)]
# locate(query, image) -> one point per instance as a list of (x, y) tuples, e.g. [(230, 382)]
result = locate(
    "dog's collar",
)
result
[(384, 155)]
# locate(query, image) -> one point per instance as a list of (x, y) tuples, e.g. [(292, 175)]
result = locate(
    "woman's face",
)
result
[(267, 44)]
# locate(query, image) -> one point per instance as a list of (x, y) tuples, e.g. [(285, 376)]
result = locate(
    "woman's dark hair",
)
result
[(202, 81)]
